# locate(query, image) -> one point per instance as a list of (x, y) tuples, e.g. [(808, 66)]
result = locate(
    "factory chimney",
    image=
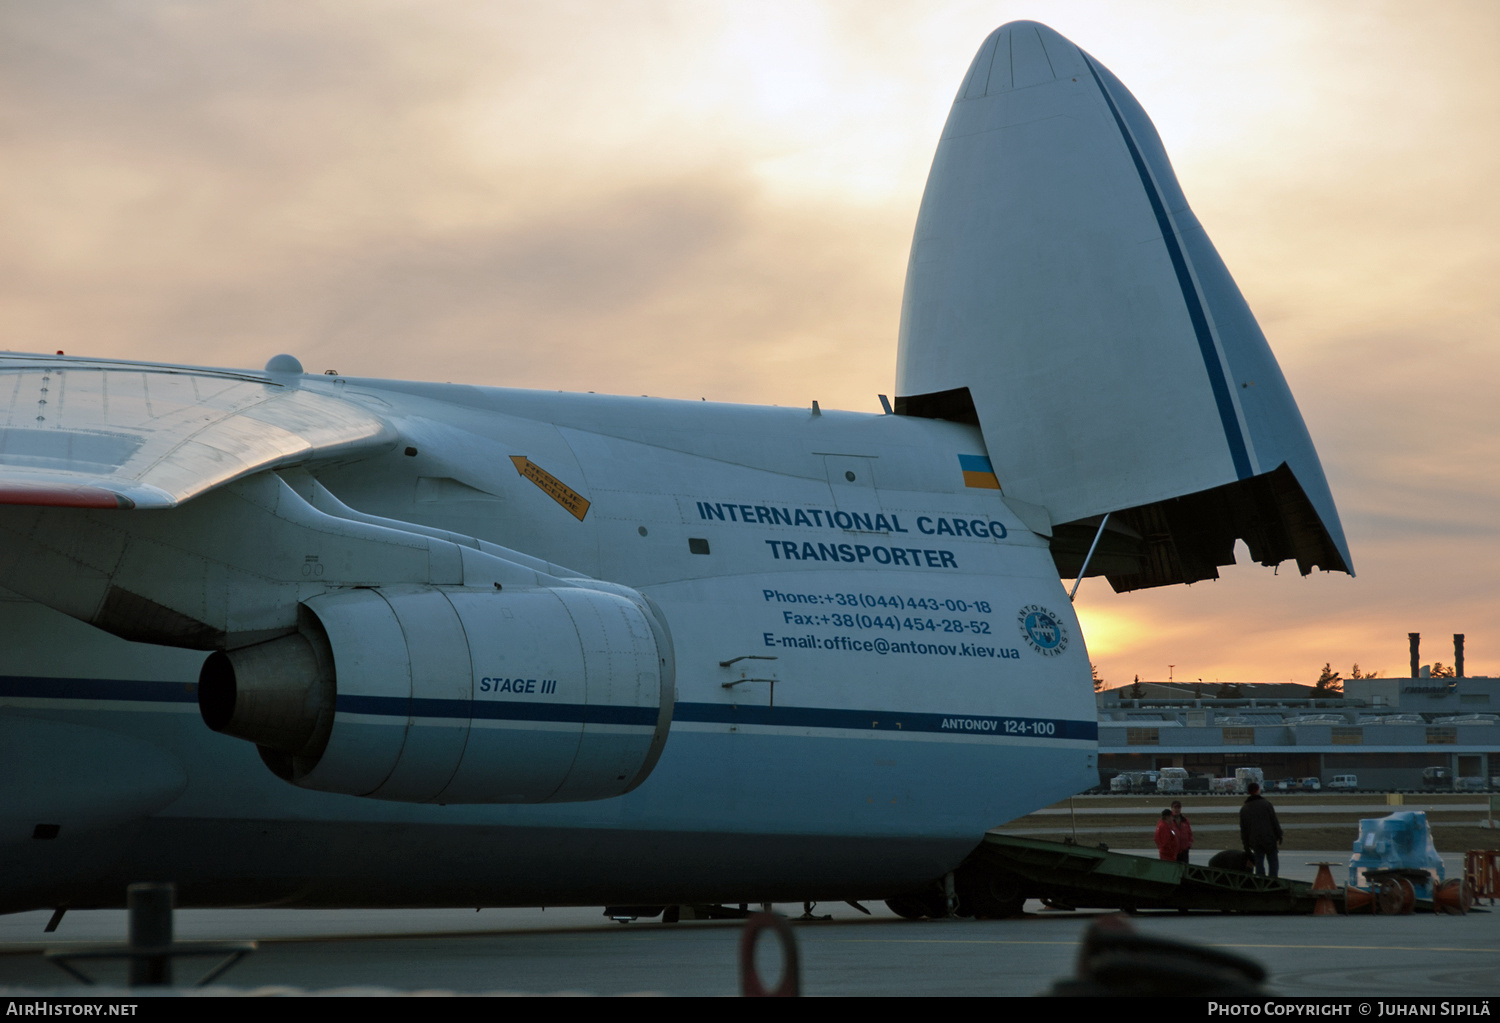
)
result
[(1416, 641), (1458, 654)]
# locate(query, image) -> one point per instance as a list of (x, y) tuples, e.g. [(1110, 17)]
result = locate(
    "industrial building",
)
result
[(1417, 732)]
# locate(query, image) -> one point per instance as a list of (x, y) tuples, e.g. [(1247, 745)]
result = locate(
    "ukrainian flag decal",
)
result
[(978, 472)]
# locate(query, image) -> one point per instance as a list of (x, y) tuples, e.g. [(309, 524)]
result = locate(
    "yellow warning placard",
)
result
[(553, 487)]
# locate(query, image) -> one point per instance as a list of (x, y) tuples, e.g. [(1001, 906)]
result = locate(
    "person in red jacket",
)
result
[(1184, 831), (1166, 837)]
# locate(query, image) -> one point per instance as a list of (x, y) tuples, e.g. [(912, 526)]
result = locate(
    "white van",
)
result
[(1344, 781)]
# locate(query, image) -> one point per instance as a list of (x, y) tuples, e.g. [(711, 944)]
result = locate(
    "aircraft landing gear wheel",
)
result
[(985, 895), (927, 906)]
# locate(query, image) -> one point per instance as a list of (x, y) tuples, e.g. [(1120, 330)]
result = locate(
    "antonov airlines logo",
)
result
[(1042, 630)]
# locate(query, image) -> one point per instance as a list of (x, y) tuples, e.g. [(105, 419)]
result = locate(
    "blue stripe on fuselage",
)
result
[(40, 687), (485, 710), (702, 713), (887, 721), (1220, 386)]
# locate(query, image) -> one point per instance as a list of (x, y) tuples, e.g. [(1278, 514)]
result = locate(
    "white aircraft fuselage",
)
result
[(907, 707)]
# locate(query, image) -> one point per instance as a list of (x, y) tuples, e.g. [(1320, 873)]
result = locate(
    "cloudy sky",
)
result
[(716, 200)]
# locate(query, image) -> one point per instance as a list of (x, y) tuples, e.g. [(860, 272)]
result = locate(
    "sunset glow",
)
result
[(716, 200)]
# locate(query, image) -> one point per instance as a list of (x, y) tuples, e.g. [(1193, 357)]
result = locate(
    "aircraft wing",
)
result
[(83, 433)]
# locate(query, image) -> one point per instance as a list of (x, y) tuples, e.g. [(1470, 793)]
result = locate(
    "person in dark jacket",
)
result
[(1260, 831), (1184, 831), (1232, 859)]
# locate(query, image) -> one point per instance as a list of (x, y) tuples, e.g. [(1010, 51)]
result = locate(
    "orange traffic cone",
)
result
[(1325, 890)]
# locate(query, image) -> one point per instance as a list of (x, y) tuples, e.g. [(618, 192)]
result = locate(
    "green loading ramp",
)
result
[(1005, 868)]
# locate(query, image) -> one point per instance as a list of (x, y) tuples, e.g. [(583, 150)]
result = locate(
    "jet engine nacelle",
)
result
[(452, 695)]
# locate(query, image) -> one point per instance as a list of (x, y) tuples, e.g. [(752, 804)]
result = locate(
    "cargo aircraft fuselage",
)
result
[(875, 662)]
